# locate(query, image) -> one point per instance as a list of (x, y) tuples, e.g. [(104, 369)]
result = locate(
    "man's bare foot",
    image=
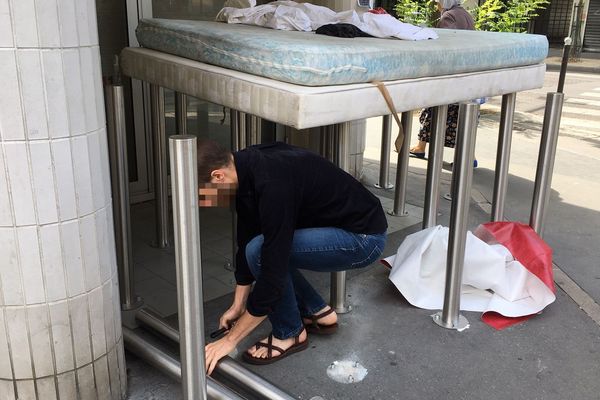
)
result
[(419, 148), (262, 352)]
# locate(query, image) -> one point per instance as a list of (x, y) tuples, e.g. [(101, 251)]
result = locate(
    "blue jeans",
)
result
[(314, 249)]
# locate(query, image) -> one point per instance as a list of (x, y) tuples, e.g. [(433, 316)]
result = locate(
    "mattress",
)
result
[(310, 106), (305, 58)]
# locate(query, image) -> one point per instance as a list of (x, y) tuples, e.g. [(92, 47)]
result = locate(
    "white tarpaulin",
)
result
[(292, 16), (492, 279)]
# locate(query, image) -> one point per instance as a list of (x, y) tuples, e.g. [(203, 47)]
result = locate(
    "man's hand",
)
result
[(217, 350), (230, 316)]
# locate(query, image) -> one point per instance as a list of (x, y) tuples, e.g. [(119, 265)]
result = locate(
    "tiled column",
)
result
[(60, 328)]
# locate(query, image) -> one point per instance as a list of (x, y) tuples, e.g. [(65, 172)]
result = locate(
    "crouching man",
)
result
[(295, 211)]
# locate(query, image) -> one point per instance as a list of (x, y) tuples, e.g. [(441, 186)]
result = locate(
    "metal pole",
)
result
[(399, 209), (434, 165), (337, 294), (253, 127), (161, 190), (545, 164), (242, 125), (181, 113), (563, 65), (507, 115), (227, 367), (188, 264), (384, 160), (462, 176), (159, 358), (117, 143)]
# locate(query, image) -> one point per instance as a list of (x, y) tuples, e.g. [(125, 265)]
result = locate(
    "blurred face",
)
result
[(221, 189)]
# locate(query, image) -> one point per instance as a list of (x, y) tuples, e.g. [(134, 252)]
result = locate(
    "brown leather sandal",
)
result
[(321, 329), (295, 348)]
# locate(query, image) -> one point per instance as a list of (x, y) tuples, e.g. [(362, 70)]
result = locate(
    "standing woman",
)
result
[(453, 16)]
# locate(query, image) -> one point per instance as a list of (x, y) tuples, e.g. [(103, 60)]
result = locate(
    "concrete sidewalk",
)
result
[(587, 63)]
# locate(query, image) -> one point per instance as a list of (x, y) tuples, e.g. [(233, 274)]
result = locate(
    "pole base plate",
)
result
[(342, 309), (462, 324), (386, 187), (400, 214)]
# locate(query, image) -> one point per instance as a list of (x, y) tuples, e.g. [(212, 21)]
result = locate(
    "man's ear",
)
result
[(217, 175)]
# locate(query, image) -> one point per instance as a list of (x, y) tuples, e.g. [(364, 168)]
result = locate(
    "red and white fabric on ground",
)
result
[(507, 273)]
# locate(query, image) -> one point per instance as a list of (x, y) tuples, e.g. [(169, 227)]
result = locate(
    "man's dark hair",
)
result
[(211, 156)]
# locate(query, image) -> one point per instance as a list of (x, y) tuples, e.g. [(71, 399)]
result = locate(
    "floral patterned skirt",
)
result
[(451, 124)]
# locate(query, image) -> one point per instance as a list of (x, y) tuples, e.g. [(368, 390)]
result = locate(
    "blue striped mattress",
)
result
[(306, 58)]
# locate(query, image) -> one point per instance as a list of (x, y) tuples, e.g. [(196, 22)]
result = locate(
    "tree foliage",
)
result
[(492, 15)]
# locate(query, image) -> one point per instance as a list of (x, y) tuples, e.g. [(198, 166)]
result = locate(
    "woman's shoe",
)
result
[(417, 154), (296, 347), (320, 329)]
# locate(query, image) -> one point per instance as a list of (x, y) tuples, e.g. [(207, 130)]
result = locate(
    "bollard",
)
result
[(434, 165), (450, 316), (545, 164), (117, 143), (563, 65), (161, 189), (337, 292), (188, 264), (399, 209), (507, 114), (384, 160)]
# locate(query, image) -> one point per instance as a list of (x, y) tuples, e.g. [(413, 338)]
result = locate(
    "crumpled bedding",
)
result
[(292, 16)]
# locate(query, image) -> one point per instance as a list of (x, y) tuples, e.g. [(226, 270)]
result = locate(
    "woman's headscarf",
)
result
[(448, 4)]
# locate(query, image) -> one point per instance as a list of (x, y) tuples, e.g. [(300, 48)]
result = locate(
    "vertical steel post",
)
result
[(399, 209), (159, 142), (253, 129), (188, 265), (181, 113), (117, 143), (434, 165), (545, 164), (384, 160), (507, 114), (338, 298), (242, 126), (462, 176)]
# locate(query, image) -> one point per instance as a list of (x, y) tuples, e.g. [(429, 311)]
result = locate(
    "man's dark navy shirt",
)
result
[(282, 188)]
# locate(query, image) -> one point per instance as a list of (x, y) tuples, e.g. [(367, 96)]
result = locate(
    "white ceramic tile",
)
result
[(86, 58), (5, 206), (39, 330), (107, 305), (104, 241), (18, 339), (6, 34), (93, 21), (12, 289), (24, 23), (5, 368), (52, 66), (74, 90), (96, 304), (78, 307), (67, 386), (85, 382), (68, 23), (61, 336), (81, 166), (87, 226), (7, 389), (102, 379), (52, 263), (72, 255), (11, 113), (104, 163), (112, 246), (99, 89), (46, 388), (43, 180), (32, 91), (31, 265), (83, 22), (122, 368), (116, 309), (26, 390), (100, 198), (113, 371), (20, 183), (47, 23), (65, 180)]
